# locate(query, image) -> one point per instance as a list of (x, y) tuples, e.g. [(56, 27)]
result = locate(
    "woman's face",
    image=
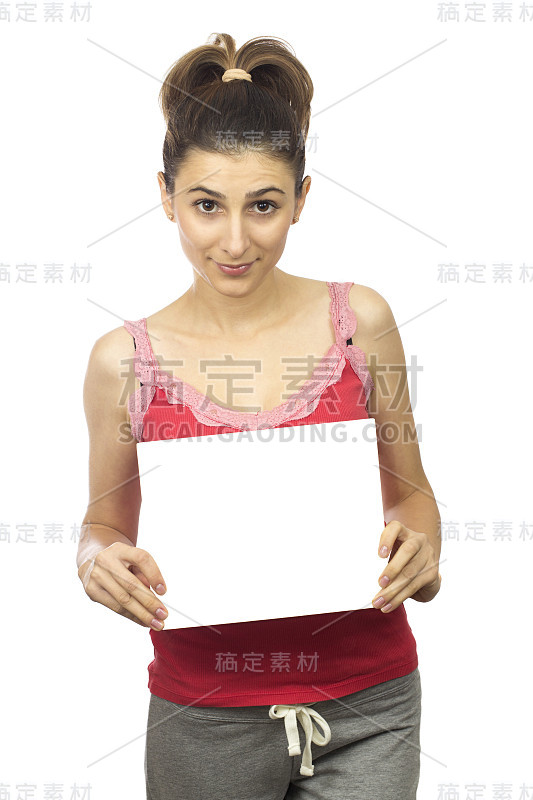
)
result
[(219, 223)]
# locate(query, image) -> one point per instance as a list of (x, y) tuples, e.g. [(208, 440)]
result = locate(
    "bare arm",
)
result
[(408, 498), (113, 570), (114, 487)]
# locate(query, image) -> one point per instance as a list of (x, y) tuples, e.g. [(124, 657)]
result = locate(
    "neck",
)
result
[(213, 314)]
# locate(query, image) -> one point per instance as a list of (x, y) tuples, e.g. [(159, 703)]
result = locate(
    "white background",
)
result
[(421, 168)]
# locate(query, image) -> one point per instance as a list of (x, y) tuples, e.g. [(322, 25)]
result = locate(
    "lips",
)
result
[(234, 266), (234, 270)]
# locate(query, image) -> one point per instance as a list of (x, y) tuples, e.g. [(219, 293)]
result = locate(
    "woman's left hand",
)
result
[(413, 569)]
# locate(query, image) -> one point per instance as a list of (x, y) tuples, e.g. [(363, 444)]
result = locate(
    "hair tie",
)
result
[(236, 74)]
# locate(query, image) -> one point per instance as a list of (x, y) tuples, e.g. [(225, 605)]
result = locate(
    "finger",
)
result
[(129, 594), (408, 582), (408, 550), (102, 596), (388, 537), (421, 563), (142, 560), (134, 585), (127, 604), (139, 563), (139, 574), (407, 592)]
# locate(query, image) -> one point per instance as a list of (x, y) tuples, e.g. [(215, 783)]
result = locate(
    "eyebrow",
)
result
[(248, 195)]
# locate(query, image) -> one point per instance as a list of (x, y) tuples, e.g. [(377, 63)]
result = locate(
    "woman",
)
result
[(234, 185)]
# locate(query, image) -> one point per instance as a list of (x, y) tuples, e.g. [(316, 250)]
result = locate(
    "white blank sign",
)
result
[(263, 524)]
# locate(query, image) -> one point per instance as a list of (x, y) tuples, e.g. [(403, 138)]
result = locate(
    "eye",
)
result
[(267, 203)]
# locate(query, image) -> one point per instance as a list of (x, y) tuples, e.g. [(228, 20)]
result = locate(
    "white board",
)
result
[(263, 524)]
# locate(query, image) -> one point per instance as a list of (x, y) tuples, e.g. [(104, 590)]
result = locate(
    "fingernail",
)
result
[(387, 607), (379, 602), (160, 588), (384, 580), (383, 550), (161, 613), (157, 624)]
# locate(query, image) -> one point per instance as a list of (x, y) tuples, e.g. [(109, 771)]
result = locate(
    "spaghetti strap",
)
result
[(345, 324), (342, 315), (146, 367)]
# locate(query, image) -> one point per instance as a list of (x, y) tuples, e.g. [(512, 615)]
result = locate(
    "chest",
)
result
[(252, 376)]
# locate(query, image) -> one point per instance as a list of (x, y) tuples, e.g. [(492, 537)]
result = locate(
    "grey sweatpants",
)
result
[(241, 753)]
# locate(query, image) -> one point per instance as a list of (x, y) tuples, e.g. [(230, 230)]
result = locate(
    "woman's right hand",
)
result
[(119, 577)]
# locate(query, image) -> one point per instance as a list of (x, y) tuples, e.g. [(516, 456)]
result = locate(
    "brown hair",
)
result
[(199, 108)]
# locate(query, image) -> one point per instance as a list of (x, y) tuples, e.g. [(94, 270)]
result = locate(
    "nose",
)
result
[(234, 238)]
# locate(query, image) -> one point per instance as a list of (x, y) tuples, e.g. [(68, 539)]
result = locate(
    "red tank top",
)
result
[(276, 660)]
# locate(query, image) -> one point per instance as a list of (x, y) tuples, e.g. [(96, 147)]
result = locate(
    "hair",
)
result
[(204, 113)]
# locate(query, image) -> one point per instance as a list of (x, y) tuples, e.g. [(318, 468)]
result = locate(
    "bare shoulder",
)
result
[(377, 335), (110, 372), (111, 350), (372, 311)]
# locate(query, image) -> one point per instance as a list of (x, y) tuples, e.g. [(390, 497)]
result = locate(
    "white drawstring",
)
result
[(304, 714)]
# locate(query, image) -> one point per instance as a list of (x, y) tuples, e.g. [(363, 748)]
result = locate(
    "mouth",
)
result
[(237, 269)]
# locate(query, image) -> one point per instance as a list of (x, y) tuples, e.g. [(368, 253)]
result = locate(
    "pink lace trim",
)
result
[(299, 405), (347, 325)]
